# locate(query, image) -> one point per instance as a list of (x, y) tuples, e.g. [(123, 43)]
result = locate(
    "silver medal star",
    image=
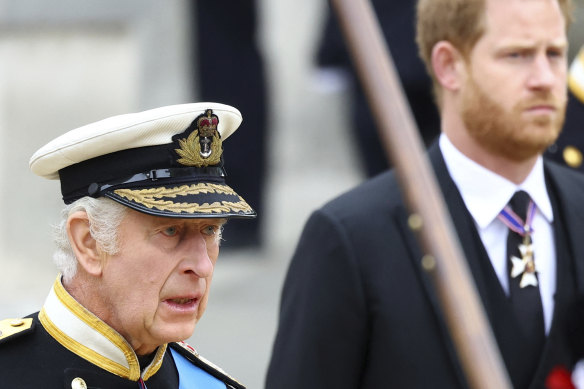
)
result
[(524, 266)]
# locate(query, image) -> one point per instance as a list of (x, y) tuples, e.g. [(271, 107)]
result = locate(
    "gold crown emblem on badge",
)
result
[(203, 147)]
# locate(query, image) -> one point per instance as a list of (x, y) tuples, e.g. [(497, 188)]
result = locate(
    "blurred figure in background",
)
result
[(568, 149), (397, 23), (230, 69)]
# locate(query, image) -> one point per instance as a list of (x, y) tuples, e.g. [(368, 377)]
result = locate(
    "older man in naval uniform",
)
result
[(136, 247)]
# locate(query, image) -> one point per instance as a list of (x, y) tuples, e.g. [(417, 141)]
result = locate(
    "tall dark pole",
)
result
[(444, 260)]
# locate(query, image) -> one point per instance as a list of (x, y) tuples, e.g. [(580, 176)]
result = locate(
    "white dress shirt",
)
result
[(485, 194)]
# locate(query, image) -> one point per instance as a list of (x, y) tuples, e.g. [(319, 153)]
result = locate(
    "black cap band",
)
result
[(94, 176)]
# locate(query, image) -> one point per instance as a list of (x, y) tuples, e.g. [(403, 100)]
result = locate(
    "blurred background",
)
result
[(64, 64)]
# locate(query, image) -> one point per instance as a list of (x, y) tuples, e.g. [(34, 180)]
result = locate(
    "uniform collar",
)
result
[(84, 334), (486, 193)]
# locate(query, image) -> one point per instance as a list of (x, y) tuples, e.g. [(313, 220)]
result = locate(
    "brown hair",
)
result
[(460, 22)]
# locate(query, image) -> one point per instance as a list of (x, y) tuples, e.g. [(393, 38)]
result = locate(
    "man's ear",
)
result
[(449, 65), (84, 246)]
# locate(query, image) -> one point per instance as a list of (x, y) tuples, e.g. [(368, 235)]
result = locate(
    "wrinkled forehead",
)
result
[(525, 22)]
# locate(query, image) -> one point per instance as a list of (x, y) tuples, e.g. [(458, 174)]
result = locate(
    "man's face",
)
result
[(156, 287), (514, 100)]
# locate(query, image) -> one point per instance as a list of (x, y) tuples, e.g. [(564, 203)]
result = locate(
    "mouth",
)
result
[(185, 304), (541, 108), (541, 105), (181, 301)]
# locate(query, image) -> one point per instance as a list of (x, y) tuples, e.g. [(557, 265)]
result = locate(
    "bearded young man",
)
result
[(136, 247), (357, 309)]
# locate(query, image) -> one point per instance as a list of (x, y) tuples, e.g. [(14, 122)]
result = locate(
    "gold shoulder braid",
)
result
[(9, 327)]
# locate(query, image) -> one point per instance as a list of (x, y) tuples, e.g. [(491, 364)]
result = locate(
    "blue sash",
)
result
[(193, 377)]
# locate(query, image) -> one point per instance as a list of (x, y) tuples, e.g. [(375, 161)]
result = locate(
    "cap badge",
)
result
[(203, 147)]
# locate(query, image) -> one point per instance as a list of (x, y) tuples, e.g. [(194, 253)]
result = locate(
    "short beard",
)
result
[(504, 132)]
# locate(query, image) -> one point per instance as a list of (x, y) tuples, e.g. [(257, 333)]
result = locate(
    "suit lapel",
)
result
[(467, 236), (464, 226), (401, 216), (569, 193), (566, 188)]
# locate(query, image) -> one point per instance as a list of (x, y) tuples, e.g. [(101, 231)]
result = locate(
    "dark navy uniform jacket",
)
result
[(65, 346)]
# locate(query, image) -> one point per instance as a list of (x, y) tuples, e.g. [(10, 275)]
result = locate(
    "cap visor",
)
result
[(201, 200)]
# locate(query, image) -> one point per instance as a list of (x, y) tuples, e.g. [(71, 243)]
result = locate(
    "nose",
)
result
[(544, 73), (196, 258)]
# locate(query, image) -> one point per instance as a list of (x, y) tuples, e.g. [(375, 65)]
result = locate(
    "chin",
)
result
[(177, 333)]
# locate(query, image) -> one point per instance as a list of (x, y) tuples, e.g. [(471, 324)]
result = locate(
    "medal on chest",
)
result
[(523, 266)]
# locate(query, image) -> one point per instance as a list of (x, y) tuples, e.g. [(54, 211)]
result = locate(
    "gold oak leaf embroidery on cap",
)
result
[(154, 198)]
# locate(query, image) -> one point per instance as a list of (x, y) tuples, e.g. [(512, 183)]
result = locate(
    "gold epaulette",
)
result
[(576, 76), (572, 156), (10, 327)]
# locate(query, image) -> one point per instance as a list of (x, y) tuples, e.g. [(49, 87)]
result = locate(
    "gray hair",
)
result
[(104, 215)]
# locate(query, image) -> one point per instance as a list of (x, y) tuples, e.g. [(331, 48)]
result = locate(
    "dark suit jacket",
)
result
[(358, 311)]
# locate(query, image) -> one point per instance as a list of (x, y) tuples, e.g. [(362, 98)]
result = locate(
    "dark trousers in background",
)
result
[(231, 71), (397, 21)]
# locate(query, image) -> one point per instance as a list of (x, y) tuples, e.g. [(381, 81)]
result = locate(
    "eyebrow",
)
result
[(185, 221), (530, 46)]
